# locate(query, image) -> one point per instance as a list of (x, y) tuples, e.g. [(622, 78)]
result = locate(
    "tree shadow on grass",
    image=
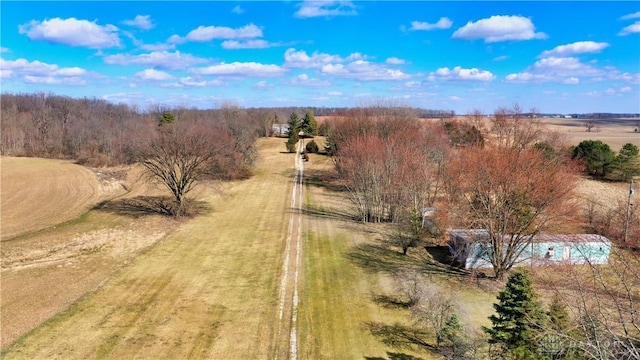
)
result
[(381, 258), (323, 179), (140, 206), (394, 356), (390, 302), (400, 336), (321, 212)]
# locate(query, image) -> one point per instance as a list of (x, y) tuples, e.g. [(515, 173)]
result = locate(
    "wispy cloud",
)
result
[(443, 23), (157, 59), (208, 33), (579, 47), (310, 9), (395, 61), (238, 10), (631, 29), (72, 32), (153, 75), (140, 21), (499, 28), (241, 69), (300, 59), (4, 49), (306, 80), (634, 15), (36, 72), (460, 74), (249, 44)]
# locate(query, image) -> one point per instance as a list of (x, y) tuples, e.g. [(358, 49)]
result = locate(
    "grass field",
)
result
[(115, 284)]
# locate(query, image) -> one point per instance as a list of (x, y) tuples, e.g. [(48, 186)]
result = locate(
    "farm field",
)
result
[(615, 132), (38, 193)]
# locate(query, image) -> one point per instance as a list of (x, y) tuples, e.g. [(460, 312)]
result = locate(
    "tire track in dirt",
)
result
[(288, 295)]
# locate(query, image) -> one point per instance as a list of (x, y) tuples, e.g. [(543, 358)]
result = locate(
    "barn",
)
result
[(470, 247)]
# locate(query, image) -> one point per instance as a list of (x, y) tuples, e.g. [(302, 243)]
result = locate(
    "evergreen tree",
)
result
[(558, 314), (309, 124), (519, 317), (628, 162), (292, 133), (167, 118)]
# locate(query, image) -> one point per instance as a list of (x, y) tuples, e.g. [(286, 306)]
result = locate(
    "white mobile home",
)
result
[(471, 248)]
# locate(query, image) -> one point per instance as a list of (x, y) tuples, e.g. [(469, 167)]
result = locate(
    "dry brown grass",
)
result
[(39, 193)]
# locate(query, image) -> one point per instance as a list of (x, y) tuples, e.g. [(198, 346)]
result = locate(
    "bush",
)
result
[(312, 147)]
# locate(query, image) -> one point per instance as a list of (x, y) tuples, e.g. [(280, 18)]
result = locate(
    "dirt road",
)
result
[(287, 332)]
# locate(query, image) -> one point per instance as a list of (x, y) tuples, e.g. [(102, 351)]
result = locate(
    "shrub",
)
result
[(312, 147)]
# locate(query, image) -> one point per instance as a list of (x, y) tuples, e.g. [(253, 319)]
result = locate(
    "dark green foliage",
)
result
[(312, 147), (463, 135), (516, 326), (291, 143), (558, 314), (309, 124), (547, 150), (599, 159), (167, 118), (293, 132), (628, 162)]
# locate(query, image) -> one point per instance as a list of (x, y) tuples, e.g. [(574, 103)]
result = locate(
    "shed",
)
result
[(470, 247)]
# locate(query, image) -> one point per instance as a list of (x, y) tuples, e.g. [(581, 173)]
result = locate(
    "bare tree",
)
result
[(179, 157), (512, 193)]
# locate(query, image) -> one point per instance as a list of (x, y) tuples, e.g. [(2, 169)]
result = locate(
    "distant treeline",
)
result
[(98, 133)]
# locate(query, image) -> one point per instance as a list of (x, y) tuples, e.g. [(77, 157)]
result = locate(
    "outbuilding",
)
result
[(471, 248)]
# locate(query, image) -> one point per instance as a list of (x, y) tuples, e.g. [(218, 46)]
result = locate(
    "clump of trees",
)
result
[(388, 160), (600, 161)]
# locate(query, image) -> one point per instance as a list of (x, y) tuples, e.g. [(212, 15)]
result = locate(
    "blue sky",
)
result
[(556, 56)]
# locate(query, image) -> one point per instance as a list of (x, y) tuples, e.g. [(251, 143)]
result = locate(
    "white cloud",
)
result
[(157, 59), (593, 93), (250, 44), (579, 47), (305, 80), (197, 82), (310, 8), (458, 73), (263, 85), (240, 69), (571, 81), (208, 33), (443, 23), (634, 15), (238, 10), (72, 32), (36, 72), (300, 59), (395, 61), (631, 29), (455, 98), (625, 89), (364, 71), (610, 91), (499, 28), (157, 47), (141, 21), (153, 75), (500, 58), (4, 49), (334, 93)]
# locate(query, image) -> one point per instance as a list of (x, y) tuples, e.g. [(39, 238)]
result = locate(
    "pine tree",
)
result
[(519, 318), (309, 124), (292, 133)]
